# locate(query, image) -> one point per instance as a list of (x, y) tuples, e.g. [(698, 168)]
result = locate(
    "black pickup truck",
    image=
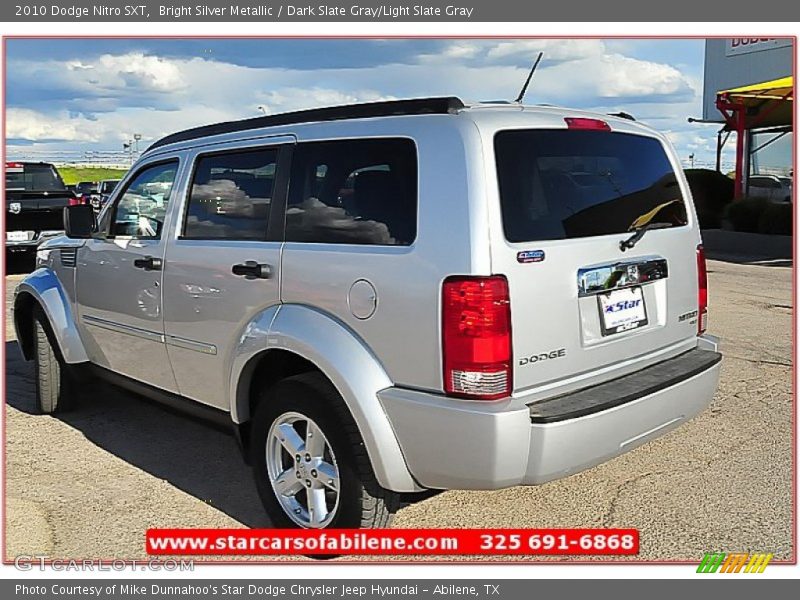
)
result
[(35, 201)]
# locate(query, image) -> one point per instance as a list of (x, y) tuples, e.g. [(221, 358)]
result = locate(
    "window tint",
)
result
[(557, 184), (353, 192), (231, 196), (141, 210)]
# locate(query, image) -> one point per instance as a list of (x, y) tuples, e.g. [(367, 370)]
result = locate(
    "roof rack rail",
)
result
[(417, 106)]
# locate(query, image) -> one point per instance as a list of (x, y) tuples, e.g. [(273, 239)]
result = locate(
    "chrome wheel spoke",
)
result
[(302, 470), (290, 439), (315, 441), (328, 476), (317, 506), (287, 483)]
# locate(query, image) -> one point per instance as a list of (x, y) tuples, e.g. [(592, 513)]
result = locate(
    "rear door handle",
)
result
[(148, 263), (252, 270)]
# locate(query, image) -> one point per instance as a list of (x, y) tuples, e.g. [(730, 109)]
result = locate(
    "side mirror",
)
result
[(79, 221)]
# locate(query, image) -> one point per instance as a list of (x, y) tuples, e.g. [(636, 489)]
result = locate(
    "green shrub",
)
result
[(745, 214), (757, 215), (712, 192), (776, 219)]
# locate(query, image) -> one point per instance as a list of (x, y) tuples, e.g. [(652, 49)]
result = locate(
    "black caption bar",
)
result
[(393, 11)]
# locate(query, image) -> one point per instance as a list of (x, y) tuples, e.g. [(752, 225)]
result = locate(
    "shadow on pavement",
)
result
[(198, 458), (748, 248)]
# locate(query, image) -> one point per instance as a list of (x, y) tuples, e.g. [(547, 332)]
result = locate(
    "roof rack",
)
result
[(622, 115), (417, 106)]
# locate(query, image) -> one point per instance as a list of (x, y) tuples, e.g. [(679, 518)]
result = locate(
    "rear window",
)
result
[(562, 184), (33, 178), (353, 192), (106, 187)]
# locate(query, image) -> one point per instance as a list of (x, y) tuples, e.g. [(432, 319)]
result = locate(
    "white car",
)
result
[(770, 187)]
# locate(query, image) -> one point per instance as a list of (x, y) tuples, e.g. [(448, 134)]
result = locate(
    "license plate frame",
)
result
[(628, 318)]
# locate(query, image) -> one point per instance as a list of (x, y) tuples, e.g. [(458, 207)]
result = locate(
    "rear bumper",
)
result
[(453, 444)]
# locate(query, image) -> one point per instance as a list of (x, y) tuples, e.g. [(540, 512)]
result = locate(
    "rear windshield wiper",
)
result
[(639, 234)]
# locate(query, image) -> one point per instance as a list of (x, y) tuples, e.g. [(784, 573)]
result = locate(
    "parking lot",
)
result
[(88, 484)]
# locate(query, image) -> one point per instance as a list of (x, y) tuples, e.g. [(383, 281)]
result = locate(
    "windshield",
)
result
[(561, 184), (33, 178)]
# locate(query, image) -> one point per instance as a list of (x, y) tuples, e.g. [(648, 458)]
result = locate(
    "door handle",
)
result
[(252, 270), (148, 263)]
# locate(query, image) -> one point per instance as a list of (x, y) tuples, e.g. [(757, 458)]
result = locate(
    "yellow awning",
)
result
[(768, 104), (777, 89)]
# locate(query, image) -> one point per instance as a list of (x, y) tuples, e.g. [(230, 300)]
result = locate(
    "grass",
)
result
[(73, 175)]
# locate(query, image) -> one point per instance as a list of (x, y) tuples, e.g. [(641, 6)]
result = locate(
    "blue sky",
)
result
[(92, 95)]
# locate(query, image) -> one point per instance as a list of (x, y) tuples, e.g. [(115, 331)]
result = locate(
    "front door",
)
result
[(119, 279), (223, 264)]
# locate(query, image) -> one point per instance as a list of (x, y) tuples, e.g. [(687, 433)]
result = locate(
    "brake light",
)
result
[(702, 291), (14, 165), (584, 123), (476, 337), (76, 200)]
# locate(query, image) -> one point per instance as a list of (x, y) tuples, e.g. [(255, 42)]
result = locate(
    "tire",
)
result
[(53, 389), (360, 501)]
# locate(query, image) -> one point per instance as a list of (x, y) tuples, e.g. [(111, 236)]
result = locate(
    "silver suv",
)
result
[(387, 298)]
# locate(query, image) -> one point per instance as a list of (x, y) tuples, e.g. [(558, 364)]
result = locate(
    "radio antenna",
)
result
[(528, 80)]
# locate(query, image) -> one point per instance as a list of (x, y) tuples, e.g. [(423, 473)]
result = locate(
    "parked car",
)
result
[(391, 297), (87, 191), (104, 190), (35, 199), (770, 187)]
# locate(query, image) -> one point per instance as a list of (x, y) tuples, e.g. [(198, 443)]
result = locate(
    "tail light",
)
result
[(76, 200), (584, 123), (702, 291), (476, 337)]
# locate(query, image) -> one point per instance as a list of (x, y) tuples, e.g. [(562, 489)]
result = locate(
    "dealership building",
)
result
[(749, 90)]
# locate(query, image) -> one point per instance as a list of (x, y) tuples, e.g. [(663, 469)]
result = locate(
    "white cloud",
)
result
[(297, 98), (26, 124), (138, 70)]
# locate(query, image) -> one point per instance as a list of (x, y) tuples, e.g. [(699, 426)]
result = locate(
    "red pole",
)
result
[(738, 190), (735, 115)]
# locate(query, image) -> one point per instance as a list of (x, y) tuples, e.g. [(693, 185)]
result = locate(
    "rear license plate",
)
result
[(18, 236), (622, 310)]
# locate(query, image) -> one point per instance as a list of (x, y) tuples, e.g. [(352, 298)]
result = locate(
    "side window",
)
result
[(231, 195), (141, 209), (353, 192)]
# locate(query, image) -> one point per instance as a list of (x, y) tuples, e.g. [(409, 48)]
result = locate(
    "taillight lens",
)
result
[(75, 201), (476, 337), (702, 291), (584, 123)]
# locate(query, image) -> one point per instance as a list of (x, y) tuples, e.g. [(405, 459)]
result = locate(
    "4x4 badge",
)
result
[(530, 256)]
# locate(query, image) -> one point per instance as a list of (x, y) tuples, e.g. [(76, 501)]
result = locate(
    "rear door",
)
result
[(583, 309), (223, 264)]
